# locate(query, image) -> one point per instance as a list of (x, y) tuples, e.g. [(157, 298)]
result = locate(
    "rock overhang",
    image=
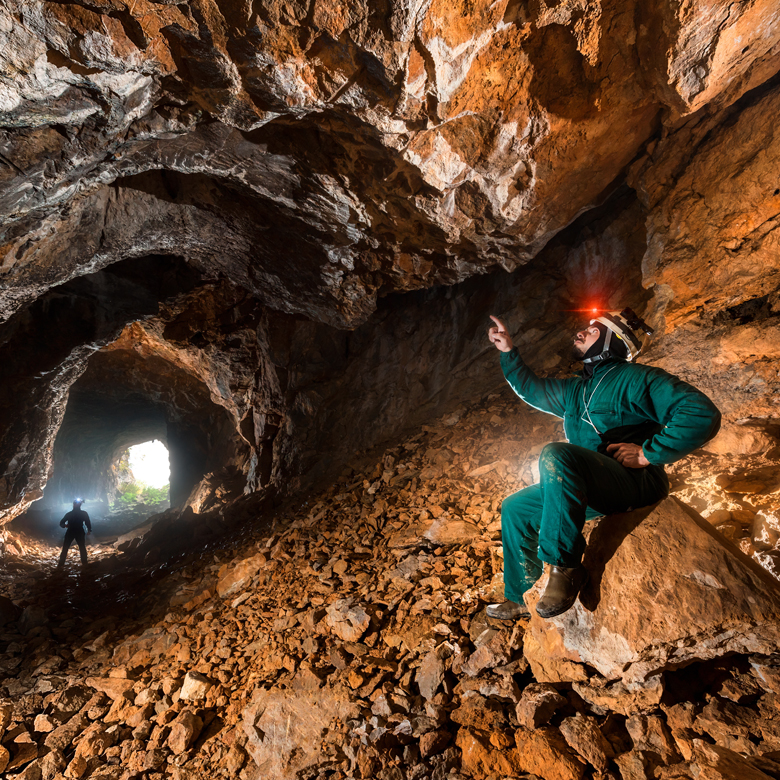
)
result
[(425, 143), (323, 160)]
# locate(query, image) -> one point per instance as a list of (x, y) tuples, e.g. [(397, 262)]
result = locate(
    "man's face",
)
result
[(585, 339)]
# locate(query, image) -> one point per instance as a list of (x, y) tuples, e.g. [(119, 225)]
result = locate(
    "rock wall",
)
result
[(275, 194)]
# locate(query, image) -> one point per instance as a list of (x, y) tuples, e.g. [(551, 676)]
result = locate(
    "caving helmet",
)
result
[(78, 502), (625, 326)]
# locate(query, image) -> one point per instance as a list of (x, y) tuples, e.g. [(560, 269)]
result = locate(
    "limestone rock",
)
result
[(433, 742), (720, 763), (537, 705), (618, 696), (481, 758), (544, 752), (449, 530), (430, 675), (114, 687), (195, 686), (665, 589), (284, 728), (236, 577), (184, 731), (740, 440), (346, 621), (582, 733), (650, 733), (63, 736)]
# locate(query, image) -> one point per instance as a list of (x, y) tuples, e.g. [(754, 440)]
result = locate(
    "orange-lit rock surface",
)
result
[(328, 637), (271, 233), (665, 589), (321, 156)]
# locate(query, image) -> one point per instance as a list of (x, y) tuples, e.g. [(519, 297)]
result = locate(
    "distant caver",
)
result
[(74, 521), (623, 422)]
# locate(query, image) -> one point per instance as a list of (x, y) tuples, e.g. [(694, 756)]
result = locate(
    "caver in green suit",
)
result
[(618, 402)]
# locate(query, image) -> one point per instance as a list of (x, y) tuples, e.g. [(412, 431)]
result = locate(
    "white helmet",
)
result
[(625, 325)]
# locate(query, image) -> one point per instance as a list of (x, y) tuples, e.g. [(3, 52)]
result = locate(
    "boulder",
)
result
[(583, 735), (284, 729), (537, 705), (184, 731), (544, 752), (114, 687), (346, 621), (665, 590), (745, 439)]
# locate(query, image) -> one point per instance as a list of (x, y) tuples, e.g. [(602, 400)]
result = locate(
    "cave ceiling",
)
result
[(322, 153), (228, 171)]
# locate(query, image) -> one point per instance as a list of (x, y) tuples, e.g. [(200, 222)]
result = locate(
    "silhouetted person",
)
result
[(74, 521)]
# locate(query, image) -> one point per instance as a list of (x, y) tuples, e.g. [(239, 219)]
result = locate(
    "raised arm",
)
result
[(547, 395)]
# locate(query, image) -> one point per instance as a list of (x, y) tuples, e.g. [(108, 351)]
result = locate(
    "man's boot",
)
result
[(508, 610), (561, 592)]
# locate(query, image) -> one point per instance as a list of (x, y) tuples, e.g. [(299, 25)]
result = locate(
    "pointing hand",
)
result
[(499, 336)]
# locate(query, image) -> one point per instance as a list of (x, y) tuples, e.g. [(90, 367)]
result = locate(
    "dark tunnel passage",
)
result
[(45, 346), (124, 399)]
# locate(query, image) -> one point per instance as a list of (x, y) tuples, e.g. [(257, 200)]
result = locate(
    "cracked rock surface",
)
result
[(338, 637)]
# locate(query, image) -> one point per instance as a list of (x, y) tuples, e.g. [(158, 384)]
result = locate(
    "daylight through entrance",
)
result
[(142, 475)]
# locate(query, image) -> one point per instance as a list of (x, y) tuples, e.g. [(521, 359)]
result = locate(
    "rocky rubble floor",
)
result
[(346, 636)]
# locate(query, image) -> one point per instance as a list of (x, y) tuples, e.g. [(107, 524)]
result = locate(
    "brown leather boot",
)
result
[(562, 589), (509, 610)]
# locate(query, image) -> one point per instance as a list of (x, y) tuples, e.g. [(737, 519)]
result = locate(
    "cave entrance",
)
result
[(142, 475)]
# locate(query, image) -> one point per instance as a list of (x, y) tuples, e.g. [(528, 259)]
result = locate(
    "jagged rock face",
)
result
[(297, 165), (379, 147)]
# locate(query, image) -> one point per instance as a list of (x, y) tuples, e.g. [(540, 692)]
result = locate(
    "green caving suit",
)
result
[(579, 481)]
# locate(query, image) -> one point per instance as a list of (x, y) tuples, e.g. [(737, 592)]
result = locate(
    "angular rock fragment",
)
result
[(477, 712), (430, 675), (482, 759), (620, 697), (114, 687), (346, 621), (537, 705), (650, 733), (715, 762), (234, 578), (583, 735), (184, 731), (544, 752), (195, 686), (434, 742)]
